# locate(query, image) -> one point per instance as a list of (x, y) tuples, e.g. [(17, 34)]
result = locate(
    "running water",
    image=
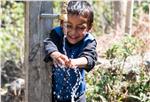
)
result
[(76, 70), (76, 86), (64, 45)]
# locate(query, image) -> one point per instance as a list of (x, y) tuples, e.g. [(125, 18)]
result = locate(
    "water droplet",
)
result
[(54, 92), (58, 96)]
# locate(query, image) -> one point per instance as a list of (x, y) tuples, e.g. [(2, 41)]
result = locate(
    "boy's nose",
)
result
[(73, 32)]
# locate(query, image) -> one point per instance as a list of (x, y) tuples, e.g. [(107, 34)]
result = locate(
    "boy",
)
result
[(73, 50)]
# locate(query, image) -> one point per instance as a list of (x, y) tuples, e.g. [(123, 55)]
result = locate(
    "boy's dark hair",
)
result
[(82, 8)]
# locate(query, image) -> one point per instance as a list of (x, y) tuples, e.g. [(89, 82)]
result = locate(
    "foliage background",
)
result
[(12, 31)]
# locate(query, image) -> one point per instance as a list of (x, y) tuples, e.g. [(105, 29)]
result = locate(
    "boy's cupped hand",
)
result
[(61, 60)]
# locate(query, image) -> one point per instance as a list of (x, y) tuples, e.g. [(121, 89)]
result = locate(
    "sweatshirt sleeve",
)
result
[(50, 45), (90, 53)]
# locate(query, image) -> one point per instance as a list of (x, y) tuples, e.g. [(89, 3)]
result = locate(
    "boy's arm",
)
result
[(78, 62), (89, 52), (87, 58), (50, 45)]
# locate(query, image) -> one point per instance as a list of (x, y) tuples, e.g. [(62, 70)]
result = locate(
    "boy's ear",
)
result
[(90, 25), (89, 28)]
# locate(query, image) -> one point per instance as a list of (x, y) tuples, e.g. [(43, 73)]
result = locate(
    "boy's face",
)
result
[(75, 28)]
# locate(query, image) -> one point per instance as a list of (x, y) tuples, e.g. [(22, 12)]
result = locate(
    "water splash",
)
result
[(79, 76), (76, 70), (76, 86)]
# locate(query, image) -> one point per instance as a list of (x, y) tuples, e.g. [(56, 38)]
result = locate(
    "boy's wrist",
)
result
[(55, 55), (80, 62)]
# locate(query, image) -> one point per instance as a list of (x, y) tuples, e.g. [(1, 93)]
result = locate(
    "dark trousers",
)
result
[(82, 98)]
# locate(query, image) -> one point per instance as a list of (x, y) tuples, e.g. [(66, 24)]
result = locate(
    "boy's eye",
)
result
[(81, 27), (78, 28)]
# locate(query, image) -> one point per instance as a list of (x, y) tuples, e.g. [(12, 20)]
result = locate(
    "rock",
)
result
[(10, 72), (12, 82), (16, 86), (132, 63)]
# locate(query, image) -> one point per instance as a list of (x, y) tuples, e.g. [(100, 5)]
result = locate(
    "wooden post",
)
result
[(38, 79)]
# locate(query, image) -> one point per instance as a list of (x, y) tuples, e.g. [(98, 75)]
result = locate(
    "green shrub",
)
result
[(112, 84), (12, 30)]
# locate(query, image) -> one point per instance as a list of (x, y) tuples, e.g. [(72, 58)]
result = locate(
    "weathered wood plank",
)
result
[(38, 82)]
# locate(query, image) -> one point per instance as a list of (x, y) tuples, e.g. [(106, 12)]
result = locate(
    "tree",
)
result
[(129, 16), (119, 13)]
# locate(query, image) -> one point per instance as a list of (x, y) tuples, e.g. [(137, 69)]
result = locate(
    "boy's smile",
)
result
[(76, 28)]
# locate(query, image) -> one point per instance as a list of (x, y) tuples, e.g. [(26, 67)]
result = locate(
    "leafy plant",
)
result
[(12, 31), (112, 84), (128, 46)]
